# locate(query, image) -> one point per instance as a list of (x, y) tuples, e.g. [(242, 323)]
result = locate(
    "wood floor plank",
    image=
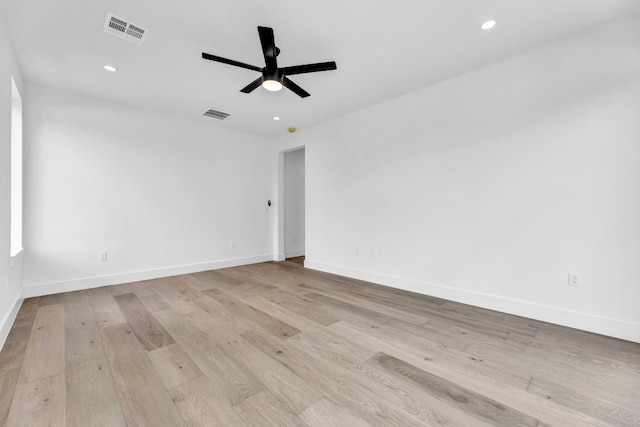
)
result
[(14, 347), (281, 382), (581, 353), (46, 338), (275, 378), (521, 400), (51, 299), (466, 400), (328, 414), (379, 326), (141, 288), (173, 365), (8, 382), (40, 402), (105, 310), (219, 278), (198, 283), (600, 409), (186, 307), (580, 360), (487, 319), (620, 349), (175, 290), (154, 302), (201, 404), (335, 382), (223, 314), (352, 311), (91, 395), (622, 388), (284, 313), (27, 312), (77, 310), (263, 409), (143, 398), (452, 336), (254, 315), (202, 346), (395, 313), (379, 293), (262, 277), (305, 307), (410, 399), (150, 333), (326, 346), (420, 404)]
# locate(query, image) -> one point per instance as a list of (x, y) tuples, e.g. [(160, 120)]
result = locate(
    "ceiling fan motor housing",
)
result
[(277, 75)]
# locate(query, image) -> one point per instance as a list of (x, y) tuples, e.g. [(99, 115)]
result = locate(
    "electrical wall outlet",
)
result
[(374, 253), (574, 280), (232, 244), (102, 256)]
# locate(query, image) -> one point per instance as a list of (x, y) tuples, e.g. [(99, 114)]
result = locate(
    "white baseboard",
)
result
[(7, 322), (587, 322), (293, 254), (136, 276)]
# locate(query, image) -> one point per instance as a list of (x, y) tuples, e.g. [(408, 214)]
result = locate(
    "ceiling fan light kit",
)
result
[(273, 78), (272, 83)]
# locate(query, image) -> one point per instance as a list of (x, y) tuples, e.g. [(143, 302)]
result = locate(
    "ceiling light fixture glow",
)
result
[(488, 25), (272, 85), (276, 118), (110, 68)]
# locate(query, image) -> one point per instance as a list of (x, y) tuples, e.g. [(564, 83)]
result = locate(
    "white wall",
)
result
[(10, 269), (160, 194), (491, 187), (294, 200)]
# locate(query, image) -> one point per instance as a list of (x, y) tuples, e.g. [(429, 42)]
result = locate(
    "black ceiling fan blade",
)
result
[(229, 61), (295, 88), (309, 68), (269, 50), (252, 86)]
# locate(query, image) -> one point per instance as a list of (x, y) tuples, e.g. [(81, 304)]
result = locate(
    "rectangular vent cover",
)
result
[(124, 29), (216, 114)]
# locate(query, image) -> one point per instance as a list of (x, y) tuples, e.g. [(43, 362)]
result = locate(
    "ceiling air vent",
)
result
[(124, 29), (216, 114)]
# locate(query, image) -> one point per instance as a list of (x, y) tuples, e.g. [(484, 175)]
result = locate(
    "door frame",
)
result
[(279, 247)]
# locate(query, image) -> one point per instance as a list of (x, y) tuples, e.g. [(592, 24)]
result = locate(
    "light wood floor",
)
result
[(274, 344)]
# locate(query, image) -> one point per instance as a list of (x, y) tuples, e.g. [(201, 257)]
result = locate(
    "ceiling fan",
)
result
[(273, 78)]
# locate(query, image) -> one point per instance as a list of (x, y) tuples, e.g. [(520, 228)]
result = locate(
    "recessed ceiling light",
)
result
[(276, 118), (110, 68), (488, 25)]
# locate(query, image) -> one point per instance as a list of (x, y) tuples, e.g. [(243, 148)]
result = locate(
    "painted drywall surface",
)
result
[(294, 200), (10, 269), (153, 191), (491, 187)]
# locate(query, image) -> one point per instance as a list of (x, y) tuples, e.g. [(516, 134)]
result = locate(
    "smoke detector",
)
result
[(124, 29)]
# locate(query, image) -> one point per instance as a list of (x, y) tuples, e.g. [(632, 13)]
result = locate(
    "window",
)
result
[(16, 169)]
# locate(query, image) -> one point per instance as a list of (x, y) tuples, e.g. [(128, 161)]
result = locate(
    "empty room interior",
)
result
[(409, 213)]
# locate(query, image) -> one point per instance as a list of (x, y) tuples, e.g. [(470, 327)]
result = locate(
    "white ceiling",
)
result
[(383, 49)]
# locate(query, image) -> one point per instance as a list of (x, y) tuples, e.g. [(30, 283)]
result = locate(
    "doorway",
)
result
[(294, 203)]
